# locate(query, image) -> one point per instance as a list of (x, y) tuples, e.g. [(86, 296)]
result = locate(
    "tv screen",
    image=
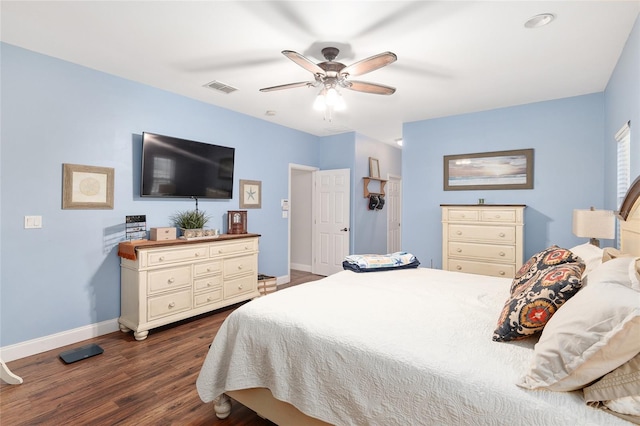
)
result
[(173, 167)]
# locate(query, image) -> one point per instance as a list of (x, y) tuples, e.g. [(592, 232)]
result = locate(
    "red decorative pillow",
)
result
[(540, 287)]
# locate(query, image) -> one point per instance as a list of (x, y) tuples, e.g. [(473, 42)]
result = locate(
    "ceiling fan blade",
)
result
[(370, 64), (287, 86), (303, 62), (374, 88)]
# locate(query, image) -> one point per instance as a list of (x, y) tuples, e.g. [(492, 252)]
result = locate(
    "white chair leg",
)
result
[(8, 376)]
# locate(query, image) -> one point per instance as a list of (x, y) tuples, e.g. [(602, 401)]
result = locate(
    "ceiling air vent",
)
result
[(220, 87)]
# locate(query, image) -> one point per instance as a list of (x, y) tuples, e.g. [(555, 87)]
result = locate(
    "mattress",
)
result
[(402, 347)]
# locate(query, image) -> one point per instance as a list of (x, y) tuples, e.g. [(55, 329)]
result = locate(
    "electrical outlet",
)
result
[(32, 222)]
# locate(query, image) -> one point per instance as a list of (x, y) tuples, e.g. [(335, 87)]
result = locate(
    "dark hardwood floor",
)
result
[(151, 382)]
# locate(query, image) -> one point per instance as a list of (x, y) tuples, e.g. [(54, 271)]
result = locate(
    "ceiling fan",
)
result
[(331, 74)]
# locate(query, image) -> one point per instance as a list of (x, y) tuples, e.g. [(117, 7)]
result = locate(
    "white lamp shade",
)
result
[(594, 224)]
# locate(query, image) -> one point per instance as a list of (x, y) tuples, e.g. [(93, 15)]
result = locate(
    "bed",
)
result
[(398, 347)]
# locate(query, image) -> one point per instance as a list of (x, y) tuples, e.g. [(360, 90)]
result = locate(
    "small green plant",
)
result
[(190, 219)]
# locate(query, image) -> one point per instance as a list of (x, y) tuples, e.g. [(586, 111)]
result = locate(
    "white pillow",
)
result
[(621, 271), (590, 254), (592, 334)]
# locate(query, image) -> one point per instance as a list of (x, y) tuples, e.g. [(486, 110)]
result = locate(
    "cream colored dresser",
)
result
[(482, 239), (168, 281)]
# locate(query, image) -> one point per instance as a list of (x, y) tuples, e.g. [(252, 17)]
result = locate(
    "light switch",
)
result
[(32, 222)]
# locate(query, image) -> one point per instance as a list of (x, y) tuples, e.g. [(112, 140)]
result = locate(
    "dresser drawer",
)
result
[(505, 254), (208, 297), (493, 215), (492, 269), (200, 269), (490, 234), (163, 257), (168, 304), (168, 279), (240, 286), (463, 215), (239, 265), (207, 283), (246, 246)]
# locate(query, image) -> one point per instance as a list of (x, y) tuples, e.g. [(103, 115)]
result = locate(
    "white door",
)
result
[(393, 199), (331, 221)]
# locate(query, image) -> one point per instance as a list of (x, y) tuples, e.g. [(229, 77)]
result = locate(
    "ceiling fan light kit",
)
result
[(331, 75)]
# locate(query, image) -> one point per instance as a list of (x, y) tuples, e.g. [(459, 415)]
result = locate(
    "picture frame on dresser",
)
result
[(489, 170)]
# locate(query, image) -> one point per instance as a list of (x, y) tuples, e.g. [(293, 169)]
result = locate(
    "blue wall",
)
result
[(66, 275), (622, 103)]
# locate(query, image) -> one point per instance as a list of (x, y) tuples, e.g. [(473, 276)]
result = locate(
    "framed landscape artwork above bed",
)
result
[(489, 170)]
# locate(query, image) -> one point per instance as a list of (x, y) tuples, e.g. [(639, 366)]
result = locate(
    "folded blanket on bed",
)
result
[(380, 262)]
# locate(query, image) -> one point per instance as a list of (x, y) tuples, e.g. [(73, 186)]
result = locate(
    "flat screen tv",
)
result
[(174, 167)]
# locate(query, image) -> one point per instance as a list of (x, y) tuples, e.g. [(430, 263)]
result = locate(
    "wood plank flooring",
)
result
[(151, 382)]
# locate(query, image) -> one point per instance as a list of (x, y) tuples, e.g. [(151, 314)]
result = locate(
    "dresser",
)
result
[(483, 239), (167, 281)]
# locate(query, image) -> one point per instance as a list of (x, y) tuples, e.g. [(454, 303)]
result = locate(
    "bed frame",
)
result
[(263, 402)]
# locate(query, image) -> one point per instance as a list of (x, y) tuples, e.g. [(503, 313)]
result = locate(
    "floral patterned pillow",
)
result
[(540, 287)]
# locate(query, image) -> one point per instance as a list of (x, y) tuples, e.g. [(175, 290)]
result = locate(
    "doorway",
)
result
[(319, 216)]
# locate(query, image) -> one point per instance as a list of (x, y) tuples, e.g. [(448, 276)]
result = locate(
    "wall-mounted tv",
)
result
[(174, 167)]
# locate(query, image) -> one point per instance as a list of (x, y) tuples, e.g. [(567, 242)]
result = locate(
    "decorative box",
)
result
[(237, 222), (161, 234)]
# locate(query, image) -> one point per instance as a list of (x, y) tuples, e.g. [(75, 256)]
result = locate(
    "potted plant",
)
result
[(191, 222)]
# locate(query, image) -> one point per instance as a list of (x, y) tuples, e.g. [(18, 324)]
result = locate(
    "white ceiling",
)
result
[(453, 56)]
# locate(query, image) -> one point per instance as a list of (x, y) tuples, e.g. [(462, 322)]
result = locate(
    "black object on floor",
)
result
[(83, 352)]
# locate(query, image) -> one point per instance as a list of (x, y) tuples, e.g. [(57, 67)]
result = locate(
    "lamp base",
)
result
[(595, 242)]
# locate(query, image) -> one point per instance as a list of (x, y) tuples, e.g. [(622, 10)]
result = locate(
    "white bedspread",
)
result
[(403, 347)]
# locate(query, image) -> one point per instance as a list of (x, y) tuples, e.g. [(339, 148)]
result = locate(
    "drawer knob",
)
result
[(459, 233), (240, 287), (246, 247), (501, 272), (501, 253), (497, 216), (459, 268), (197, 254), (171, 280), (209, 299), (208, 269), (209, 284), (172, 304), (161, 258), (239, 266), (501, 234), (459, 250), (219, 251)]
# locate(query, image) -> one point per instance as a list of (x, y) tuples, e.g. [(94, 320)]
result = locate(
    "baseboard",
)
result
[(301, 267), (283, 279), (58, 340)]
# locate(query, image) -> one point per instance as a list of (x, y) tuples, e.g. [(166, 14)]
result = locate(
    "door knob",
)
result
[(344, 229)]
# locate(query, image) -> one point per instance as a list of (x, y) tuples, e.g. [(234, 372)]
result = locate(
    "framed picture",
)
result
[(374, 168), (250, 194), (489, 170), (87, 187)]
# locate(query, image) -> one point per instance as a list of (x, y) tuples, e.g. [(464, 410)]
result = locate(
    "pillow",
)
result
[(539, 288), (533, 304), (622, 271), (380, 262), (591, 256), (619, 391), (548, 257), (595, 332)]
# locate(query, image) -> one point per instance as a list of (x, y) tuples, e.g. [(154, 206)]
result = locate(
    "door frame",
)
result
[(391, 176), (310, 169)]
